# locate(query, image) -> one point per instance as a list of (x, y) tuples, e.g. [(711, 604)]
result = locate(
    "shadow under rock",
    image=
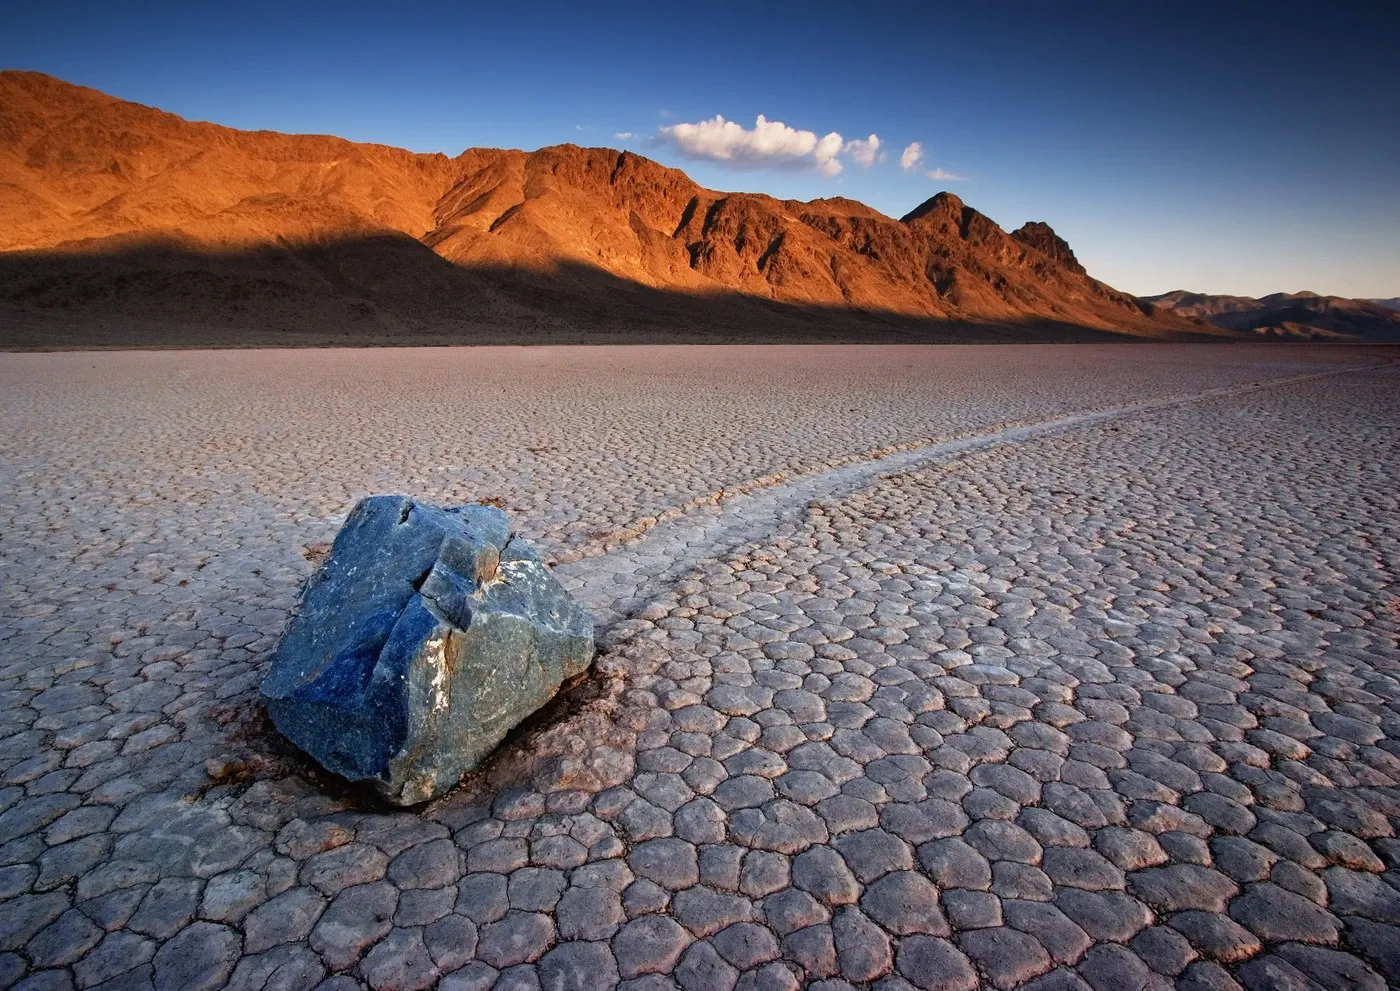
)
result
[(559, 747)]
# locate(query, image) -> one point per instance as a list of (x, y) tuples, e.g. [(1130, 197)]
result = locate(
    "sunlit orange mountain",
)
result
[(121, 224)]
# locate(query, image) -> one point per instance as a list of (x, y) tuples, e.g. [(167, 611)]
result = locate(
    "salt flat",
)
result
[(1073, 665)]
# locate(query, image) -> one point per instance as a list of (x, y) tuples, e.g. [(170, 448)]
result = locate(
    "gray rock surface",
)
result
[(425, 636)]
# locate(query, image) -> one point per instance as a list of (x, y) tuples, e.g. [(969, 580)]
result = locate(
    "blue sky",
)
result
[(1237, 147)]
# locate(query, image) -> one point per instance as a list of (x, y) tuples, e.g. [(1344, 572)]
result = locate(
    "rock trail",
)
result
[(614, 584)]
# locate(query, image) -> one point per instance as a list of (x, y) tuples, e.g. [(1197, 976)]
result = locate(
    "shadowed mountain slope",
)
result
[(151, 225), (1288, 315)]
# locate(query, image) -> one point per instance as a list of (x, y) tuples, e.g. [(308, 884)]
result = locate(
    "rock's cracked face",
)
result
[(1112, 707), (426, 635)]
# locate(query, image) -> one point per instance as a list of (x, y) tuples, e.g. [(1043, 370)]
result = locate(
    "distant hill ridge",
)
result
[(143, 227), (1299, 314)]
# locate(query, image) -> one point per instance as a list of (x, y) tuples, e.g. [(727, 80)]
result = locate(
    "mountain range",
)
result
[(123, 225), (1289, 315)]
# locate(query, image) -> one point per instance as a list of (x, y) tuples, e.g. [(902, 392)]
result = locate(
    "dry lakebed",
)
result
[(1056, 667)]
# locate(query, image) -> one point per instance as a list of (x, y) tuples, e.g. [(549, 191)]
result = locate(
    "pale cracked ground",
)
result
[(1106, 701)]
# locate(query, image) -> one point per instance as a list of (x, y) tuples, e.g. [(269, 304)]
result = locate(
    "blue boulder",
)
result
[(424, 637)]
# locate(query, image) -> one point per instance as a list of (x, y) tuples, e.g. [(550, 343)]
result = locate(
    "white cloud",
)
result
[(825, 153), (864, 151), (912, 156), (770, 142), (623, 135), (938, 174)]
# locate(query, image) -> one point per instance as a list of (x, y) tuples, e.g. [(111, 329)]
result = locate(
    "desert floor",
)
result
[(943, 667)]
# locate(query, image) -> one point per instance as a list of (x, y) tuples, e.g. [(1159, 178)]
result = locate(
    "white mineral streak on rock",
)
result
[(435, 652)]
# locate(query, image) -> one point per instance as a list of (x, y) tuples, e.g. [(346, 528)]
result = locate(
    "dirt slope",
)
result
[(147, 223)]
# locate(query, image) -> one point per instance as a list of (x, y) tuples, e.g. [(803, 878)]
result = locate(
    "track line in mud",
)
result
[(614, 585)]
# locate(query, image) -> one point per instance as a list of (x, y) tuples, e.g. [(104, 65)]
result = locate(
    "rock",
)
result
[(425, 636)]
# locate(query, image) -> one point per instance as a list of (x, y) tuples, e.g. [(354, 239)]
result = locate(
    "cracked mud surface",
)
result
[(1098, 701)]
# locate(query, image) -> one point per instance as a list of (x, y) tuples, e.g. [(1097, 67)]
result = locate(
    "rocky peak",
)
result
[(945, 214), (1042, 237), (942, 206)]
